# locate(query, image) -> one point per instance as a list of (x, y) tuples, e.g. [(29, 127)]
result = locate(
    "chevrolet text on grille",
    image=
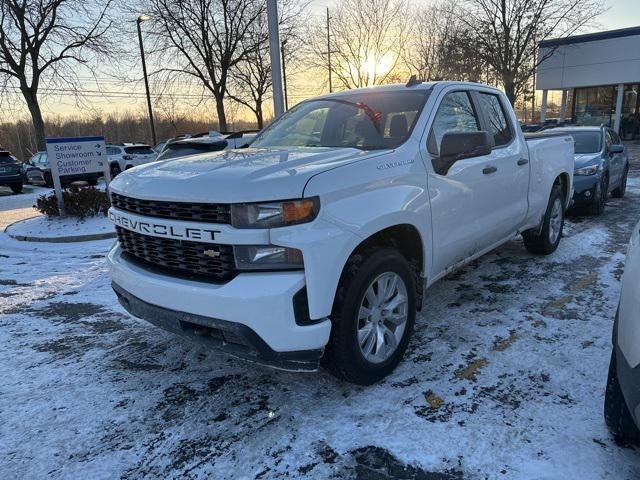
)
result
[(162, 230)]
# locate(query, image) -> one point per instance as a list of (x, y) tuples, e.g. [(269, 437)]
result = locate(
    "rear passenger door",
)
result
[(506, 208), (616, 160)]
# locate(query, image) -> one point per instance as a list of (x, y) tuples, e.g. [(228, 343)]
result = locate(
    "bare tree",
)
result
[(440, 45), (206, 39), (251, 78), (506, 33), (366, 40), (41, 40)]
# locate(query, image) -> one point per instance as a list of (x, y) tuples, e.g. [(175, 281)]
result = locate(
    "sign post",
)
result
[(76, 156)]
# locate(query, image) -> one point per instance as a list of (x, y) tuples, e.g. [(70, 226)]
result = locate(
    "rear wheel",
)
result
[(16, 187), (547, 239), (600, 197), (622, 188), (616, 413), (373, 317)]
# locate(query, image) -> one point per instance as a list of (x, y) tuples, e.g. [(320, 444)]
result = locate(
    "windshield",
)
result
[(586, 142), (367, 121), (183, 149)]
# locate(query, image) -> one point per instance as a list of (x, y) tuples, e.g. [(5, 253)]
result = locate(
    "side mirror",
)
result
[(616, 148), (459, 145)]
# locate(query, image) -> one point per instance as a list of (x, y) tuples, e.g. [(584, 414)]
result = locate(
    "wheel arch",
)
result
[(404, 237)]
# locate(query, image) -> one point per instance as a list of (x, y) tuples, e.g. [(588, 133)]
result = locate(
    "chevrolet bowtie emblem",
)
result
[(212, 253)]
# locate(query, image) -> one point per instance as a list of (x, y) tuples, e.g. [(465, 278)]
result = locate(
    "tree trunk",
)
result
[(509, 89), (222, 116), (36, 116), (259, 117)]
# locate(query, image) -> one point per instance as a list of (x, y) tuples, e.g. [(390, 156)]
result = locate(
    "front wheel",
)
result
[(16, 187), (616, 413), (600, 197), (115, 170), (373, 317), (546, 240), (48, 180)]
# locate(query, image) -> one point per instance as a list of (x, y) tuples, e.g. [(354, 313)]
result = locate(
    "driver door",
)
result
[(458, 196)]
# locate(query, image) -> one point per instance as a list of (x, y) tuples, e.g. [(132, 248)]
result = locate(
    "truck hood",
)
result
[(232, 176), (583, 160)]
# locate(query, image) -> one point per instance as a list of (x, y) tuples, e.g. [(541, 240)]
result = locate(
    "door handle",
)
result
[(488, 170), (523, 161)]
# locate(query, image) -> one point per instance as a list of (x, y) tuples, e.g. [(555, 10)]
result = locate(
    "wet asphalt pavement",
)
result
[(504, 377)]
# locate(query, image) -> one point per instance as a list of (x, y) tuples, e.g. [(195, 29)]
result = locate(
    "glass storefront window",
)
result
[(595, 106), (630, 120)]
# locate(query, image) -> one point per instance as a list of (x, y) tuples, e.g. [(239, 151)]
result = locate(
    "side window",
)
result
[(498, 124), (608, 140), (615, 138), (112, 151), (455, 114)]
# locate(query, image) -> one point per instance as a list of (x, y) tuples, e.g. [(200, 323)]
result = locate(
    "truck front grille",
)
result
[(181, 258), (197, 212)]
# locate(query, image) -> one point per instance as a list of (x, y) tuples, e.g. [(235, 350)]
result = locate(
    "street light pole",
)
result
[(284, 76), (139, 20), (274, 54)]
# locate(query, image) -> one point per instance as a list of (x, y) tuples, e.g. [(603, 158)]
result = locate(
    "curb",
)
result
[(68, 239)]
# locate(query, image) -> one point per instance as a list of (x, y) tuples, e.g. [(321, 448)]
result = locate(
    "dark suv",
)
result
[(10, 172)]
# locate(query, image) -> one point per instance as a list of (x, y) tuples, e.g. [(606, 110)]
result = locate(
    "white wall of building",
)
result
[(609, 61)]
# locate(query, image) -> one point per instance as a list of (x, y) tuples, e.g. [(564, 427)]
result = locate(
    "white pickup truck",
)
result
[(315, 244)]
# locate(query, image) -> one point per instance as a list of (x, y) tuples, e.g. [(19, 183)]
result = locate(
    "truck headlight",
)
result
[(590, 170), (274, 214), (267, 257)]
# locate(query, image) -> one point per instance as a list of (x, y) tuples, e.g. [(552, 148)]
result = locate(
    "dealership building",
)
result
[(599, 77)]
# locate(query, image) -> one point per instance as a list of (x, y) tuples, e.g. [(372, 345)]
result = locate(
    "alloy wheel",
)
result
[(382, 317)]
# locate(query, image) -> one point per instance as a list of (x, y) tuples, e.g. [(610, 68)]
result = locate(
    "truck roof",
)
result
[(400, 87)]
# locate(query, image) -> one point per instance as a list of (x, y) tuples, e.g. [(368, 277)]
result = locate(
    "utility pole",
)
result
[(284, 76), (139, 20), (329, 51), (274, 54)]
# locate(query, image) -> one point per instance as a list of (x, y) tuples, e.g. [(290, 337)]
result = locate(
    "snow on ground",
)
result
[(504, 378), (55, 227)]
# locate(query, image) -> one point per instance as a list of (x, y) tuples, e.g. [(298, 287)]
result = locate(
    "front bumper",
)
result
[(584, 188), (251, 316), (10, 179)]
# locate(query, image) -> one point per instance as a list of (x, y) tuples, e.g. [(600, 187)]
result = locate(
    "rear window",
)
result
[(184, 149), (587, 142), (6, 157), (139, 150)]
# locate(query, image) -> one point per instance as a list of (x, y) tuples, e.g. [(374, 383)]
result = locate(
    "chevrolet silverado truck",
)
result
[(314, 245)]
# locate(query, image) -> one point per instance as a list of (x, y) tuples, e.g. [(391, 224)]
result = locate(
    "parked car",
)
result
[(316, 242), (10, 172), (32, 175), (601, 166), (41, 162), (193, 146), (126, 156), (622, 395)]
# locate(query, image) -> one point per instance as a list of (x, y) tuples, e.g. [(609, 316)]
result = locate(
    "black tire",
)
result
[(622, 188), (92, 182), (343, 355), (600, 198), (541, 243), (48, 180), (616, 413), (115, 170), (16, 187)]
